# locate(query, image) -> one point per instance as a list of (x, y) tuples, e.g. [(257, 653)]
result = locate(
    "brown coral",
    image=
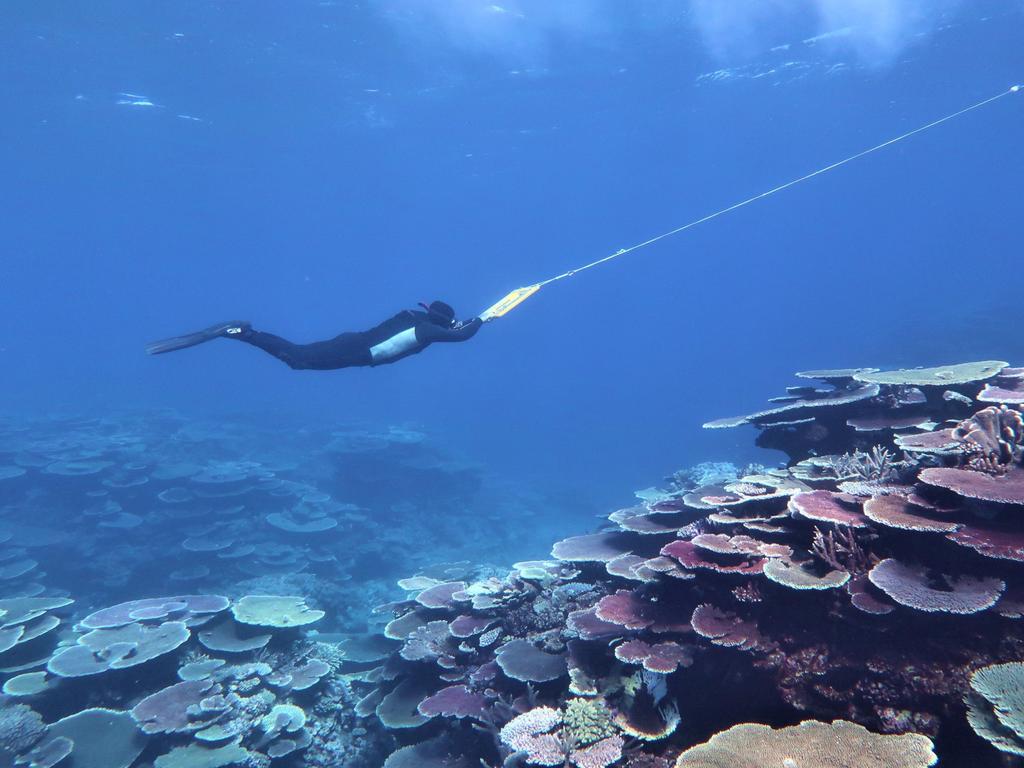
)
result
[(822, 745), (992, 439)]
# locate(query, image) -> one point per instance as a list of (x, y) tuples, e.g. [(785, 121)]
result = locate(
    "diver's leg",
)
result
[(344, 351), (295, 356)]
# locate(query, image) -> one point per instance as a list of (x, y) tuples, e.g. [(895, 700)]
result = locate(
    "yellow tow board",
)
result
[(510, 302)]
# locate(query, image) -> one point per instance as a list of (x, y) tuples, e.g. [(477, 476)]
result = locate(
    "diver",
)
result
[(407, 333)]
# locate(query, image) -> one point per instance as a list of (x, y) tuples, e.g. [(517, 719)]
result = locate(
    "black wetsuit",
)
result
[(407, 333)]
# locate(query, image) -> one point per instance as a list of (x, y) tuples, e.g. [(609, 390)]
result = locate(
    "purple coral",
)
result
[(530, 733), (690, 556), (427, 643), (1005, 489), (599, 755), (167, 711), (597, 547), (827, 507), (663, 658), (455, 701), (633, 611), (441, 595), (523, 661), (725, 629), (154, 608)]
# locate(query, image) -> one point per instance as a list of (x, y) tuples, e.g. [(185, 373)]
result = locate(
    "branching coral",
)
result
[(841, 550), (877, 465), (587, 721), (546, 738)]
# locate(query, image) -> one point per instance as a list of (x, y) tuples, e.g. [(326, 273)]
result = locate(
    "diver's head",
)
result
[(440, 313)]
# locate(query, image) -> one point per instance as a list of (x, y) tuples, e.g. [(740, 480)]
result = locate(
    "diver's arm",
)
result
[(429, 333)]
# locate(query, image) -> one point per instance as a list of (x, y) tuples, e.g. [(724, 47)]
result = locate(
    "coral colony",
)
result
[(860, 607)]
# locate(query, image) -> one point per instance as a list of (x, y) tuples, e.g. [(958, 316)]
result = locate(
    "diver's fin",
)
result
[(175, 343)]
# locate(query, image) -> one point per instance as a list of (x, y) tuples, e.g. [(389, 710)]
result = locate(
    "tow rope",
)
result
[(519, 295)]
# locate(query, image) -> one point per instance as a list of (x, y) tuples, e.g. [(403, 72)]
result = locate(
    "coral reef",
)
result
[(860, 605), (873, 582), (270, 543), (164, 696), (96, 506)]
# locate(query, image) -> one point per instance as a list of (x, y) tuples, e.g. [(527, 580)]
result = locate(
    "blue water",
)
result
[(317, 166)]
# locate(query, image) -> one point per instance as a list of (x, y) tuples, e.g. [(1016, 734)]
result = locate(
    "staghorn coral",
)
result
[(876, 465), (841, 550)]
